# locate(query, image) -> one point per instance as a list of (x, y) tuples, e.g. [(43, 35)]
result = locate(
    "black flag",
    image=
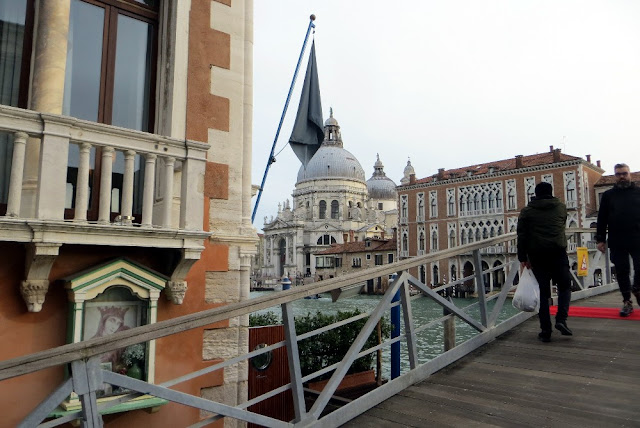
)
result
[(308, 130)]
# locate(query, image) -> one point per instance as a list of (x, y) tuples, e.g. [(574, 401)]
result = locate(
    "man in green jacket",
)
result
[(542, 247)]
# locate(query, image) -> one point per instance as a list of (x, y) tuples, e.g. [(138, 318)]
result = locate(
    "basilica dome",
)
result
[(332, 161), (379, 185)]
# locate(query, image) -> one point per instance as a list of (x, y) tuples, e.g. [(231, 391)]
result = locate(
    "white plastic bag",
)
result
[(527, 296)]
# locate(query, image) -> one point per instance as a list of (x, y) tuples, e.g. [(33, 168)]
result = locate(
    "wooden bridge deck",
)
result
[(591, 379)]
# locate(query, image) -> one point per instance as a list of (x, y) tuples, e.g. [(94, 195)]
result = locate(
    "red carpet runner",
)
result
[(590, 312)]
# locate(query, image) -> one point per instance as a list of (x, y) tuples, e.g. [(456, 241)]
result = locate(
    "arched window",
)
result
[(453, 273), (421, 242), (477, 234), (463, 238), (323, 209), (485, 233), (434, 240), (326, 240), (491, 200), (405, 242), (498, 199), (436, 276), (452, 239), (470, 236), (511, 199), (476, 202), (484, 201), (334, 209)]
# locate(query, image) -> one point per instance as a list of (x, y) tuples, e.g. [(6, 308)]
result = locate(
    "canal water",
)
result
[(430, 342)]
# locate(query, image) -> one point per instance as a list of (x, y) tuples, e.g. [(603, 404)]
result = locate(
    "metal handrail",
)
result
[(80, 354)]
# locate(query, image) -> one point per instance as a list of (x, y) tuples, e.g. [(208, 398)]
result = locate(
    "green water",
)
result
[(429, 342)]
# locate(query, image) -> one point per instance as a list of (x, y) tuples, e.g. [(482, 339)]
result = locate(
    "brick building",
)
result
[(125, 142), (468, 204)]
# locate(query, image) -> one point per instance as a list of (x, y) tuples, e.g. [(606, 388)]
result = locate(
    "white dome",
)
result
[(332, 162)]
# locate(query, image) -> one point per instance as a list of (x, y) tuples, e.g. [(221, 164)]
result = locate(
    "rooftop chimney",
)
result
[(518, 161), (345, 237), (412, 179), (598, 163), (351, 236), (551, 148), (556, 155), (589, 158), (440, 173)]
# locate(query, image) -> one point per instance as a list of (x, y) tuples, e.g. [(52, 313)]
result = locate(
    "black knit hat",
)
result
[(544, 189)]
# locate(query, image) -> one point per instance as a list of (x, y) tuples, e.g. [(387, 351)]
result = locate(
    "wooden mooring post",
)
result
[(449, 330)]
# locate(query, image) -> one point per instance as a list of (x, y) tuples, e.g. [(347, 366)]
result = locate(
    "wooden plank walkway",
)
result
[(591, 379)]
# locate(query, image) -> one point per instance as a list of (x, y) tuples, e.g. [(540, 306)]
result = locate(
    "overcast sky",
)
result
[(451, 83)]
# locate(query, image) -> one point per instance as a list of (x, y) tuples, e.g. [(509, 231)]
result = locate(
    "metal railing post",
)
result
[(408, 326), (87, 379), (480, 287), (293, 356)]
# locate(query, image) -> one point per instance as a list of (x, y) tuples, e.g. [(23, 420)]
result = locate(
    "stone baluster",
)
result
[(17, 170), (127, 187), (104, 212), (149, 189), (169, 162), (82, 184)]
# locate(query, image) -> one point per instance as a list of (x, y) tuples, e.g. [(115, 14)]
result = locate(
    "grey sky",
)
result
[(451, 83)]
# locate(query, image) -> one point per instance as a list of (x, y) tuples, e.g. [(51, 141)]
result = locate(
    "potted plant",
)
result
[(133, 358)]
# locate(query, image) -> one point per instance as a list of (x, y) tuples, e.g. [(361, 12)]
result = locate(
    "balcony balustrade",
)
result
[(54, 134), (171, 216)]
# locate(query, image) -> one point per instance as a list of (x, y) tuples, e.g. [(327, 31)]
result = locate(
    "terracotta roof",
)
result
[(501, 165), (609, 180), (360, 247)]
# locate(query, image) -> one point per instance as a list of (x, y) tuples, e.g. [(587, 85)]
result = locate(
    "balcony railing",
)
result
[(485, 316), (52, 135), (481, 212)]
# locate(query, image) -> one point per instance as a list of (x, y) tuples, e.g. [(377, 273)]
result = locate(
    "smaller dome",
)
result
[(408, 170), (379, 185)]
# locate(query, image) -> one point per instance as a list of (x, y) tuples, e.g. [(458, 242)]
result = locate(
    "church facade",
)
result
[(332, 204)]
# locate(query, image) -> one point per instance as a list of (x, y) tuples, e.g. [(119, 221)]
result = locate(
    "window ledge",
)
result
[(144, 402)]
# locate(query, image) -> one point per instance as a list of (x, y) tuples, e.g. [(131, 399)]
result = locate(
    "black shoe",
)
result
[(561, 326), (627, 309), (545, 336)]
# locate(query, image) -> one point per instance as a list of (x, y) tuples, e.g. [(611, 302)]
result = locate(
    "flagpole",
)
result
[(272, 159)]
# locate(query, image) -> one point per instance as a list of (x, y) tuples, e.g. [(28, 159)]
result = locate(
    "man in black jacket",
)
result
[(542, 247), (620, 213)]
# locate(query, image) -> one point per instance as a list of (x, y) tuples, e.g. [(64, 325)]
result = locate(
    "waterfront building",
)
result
[(352, 256), (126, 141), (463, 205), (331, 200)]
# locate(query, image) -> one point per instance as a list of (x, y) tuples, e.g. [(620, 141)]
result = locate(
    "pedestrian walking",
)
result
[(542, 247), (619, 215)]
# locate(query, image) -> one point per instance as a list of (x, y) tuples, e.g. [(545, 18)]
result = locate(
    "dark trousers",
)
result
[(547, 266), (620, 258)]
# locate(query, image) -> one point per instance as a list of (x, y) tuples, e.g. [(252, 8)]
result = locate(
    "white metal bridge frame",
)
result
[(87, 376)]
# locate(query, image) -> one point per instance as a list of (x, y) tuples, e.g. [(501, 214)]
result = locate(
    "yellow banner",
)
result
[(583, 261)]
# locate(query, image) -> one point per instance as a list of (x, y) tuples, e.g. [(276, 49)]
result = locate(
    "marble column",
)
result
[(127, 187), (47, 87), (104, 209), (82, 184), (149, 189)]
